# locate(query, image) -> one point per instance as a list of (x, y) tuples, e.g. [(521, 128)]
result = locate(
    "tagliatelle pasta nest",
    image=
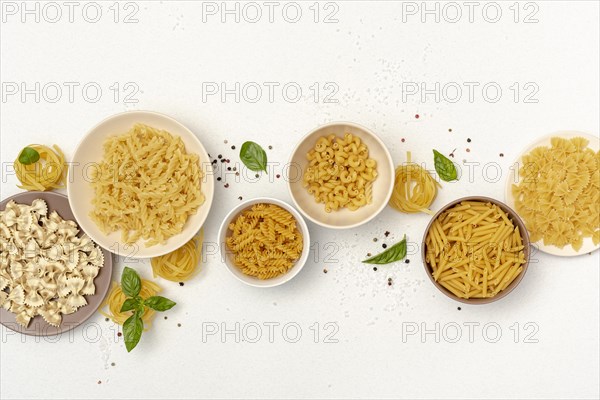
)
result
[(47, 173), (414, 188), (115, 298), (146, 186), (558, 193), (265, 241), (181, 264), (45, 268)]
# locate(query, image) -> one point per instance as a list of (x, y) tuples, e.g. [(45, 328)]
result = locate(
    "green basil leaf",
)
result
[(395, 253), (129, 304), (130, 282), (159, 303), (28, 156), (132, 331), (444, 167), (253, 156)]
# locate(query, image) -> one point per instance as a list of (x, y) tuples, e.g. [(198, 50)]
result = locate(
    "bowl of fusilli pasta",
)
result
[(340, 175), (264, 242)]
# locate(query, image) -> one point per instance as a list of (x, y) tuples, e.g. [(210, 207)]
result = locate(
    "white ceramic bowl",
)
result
[(90, 151), (344, 218), (567, 251), (227, 256)]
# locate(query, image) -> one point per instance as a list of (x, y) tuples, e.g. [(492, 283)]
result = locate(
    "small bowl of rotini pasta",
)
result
[(264, 242), (340, 175)]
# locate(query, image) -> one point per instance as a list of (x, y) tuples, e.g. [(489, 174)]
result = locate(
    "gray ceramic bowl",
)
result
[(38, 327), (516, 220)]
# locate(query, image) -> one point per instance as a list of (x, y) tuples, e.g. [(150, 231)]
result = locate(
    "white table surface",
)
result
[(370, 54)]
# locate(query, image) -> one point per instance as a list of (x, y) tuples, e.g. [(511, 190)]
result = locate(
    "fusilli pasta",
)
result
[(265, 241)]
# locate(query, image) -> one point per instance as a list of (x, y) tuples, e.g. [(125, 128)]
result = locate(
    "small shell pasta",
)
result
[(340, 173)]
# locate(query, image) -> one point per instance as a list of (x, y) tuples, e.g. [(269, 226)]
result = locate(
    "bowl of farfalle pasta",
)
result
[(264, 242), (340, 175)]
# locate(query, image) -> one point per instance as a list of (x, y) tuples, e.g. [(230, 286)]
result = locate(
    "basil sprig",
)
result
[(444, 167), (253, 156), (395, 253), (131, 284), (28, 156)]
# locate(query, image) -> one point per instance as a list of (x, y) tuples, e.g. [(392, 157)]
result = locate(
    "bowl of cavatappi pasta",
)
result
[(340, 175), (264, 242), (476, 250)]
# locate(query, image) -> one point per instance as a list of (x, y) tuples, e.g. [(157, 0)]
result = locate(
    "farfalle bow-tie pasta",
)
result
[(45, 268)]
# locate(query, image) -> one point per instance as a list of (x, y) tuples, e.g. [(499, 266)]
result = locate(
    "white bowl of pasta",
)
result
[(264, 242), (340, 175), (141, 184)]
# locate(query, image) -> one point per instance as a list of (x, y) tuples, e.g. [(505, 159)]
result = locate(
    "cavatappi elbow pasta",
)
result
[(558, 193), (265, 241), (340, 173)]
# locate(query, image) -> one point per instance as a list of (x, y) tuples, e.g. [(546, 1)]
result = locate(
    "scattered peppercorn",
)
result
[(256, 176), (459, 308), (368, 254), (220, 156), (501, 154), (222, 160), (468, 150), (278, 176), (270, 147), (240, 198), (179, 325), (165, 317), (112, 364), (417, 116), (407, 261), (228, 168), (99, 382), (235, 168), (237, 174), (374, 268), (219, 178), (387, 233), (384, 246), (106, 319), (226, 185), (325, 270), (119, 334), (449, 129), (233, 147), (374, 239), (403, 140), (181, 283), (225, 141), (469, 140)]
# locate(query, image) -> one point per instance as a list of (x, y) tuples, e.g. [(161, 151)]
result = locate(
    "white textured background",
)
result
[(368, 54)]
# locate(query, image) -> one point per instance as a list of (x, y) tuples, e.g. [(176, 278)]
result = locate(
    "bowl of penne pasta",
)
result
[(476, 250), (340, 175)]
